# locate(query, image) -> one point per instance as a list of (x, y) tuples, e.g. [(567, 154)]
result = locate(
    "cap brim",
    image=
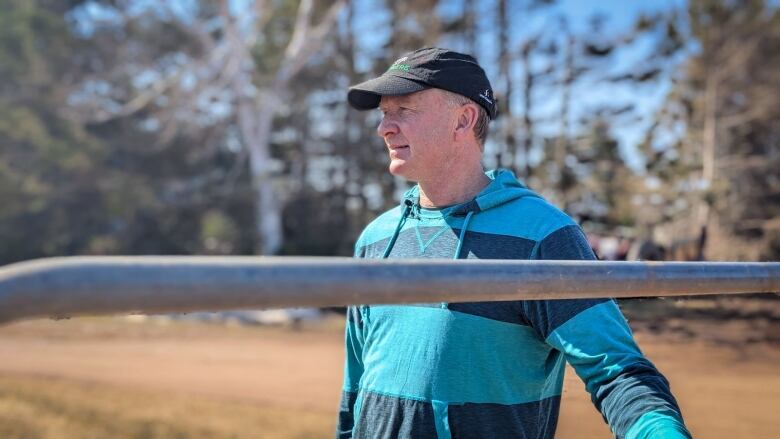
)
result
[(366, 95)]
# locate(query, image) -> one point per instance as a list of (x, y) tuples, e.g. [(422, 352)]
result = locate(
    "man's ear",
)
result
[(467, 118)]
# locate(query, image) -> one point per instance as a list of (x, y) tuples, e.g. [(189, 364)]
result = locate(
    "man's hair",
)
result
[(481, 127)]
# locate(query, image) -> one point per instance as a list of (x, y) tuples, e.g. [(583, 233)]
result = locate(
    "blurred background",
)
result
[(221, 128)]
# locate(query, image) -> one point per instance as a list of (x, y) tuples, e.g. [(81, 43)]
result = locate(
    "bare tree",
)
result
[(255, 113), (225, 71)]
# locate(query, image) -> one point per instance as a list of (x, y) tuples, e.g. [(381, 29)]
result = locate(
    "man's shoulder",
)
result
[(529, 217)]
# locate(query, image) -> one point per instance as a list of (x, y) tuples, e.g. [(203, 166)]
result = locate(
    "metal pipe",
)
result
[(69, 286)]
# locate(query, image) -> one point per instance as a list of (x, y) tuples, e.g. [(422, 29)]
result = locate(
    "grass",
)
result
[(39, 407), (98, 378)]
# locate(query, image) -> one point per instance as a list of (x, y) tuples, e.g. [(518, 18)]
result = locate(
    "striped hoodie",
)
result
[(491, 369)]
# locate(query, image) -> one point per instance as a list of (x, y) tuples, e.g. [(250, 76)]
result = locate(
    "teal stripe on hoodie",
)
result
[(400, 359), (658, 424)]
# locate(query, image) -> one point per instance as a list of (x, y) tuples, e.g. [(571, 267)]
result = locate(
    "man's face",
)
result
[(418, 132)]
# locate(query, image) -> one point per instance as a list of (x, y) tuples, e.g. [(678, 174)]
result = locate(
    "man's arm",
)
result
[(631, 394)]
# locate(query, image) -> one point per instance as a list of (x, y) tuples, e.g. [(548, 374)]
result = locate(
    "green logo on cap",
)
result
[(399, 66)]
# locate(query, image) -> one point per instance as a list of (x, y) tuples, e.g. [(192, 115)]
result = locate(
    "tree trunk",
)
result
[(255, 124), (562, 144), (255, 117), (528, 127), (710, 130), (504, 157)]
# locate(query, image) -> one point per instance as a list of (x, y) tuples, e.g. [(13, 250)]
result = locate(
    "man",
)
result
[(483, 369)]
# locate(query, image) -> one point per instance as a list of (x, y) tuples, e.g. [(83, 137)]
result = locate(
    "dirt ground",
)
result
[(725, 390)]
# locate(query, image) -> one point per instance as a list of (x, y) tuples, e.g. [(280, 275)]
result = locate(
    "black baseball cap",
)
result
[(430, 67)]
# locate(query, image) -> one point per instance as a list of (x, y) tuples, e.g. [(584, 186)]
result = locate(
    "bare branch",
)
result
[(303, 45), (735, 56), (301, 30), (198, 29), (742, 118)]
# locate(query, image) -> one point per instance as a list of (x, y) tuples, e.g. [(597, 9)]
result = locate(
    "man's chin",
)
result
[(399, 169)]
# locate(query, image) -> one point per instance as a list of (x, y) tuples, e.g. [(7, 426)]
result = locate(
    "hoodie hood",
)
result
[(503, 188)]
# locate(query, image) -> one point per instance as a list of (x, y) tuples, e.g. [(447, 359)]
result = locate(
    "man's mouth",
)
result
[(395, 147)]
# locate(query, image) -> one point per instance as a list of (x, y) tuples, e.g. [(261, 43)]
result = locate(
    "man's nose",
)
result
[(386, 127)]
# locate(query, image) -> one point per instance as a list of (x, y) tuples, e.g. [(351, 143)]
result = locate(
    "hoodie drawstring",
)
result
[(463, 234), (404, 215)]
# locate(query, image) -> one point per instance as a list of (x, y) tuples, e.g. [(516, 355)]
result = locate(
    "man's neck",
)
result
[(452, 189)]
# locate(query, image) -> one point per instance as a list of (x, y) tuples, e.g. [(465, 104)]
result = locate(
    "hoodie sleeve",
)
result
[(631, 394)]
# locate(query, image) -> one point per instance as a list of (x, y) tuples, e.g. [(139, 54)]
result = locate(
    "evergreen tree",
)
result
[(50, 184), (722, 172)]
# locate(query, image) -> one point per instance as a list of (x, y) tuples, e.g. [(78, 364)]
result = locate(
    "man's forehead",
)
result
[(410, 98)]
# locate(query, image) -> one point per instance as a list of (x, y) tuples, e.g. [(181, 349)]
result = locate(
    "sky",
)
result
[(621, 16)]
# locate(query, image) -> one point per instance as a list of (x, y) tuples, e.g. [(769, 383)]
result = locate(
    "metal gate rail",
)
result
[(70, 286)]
